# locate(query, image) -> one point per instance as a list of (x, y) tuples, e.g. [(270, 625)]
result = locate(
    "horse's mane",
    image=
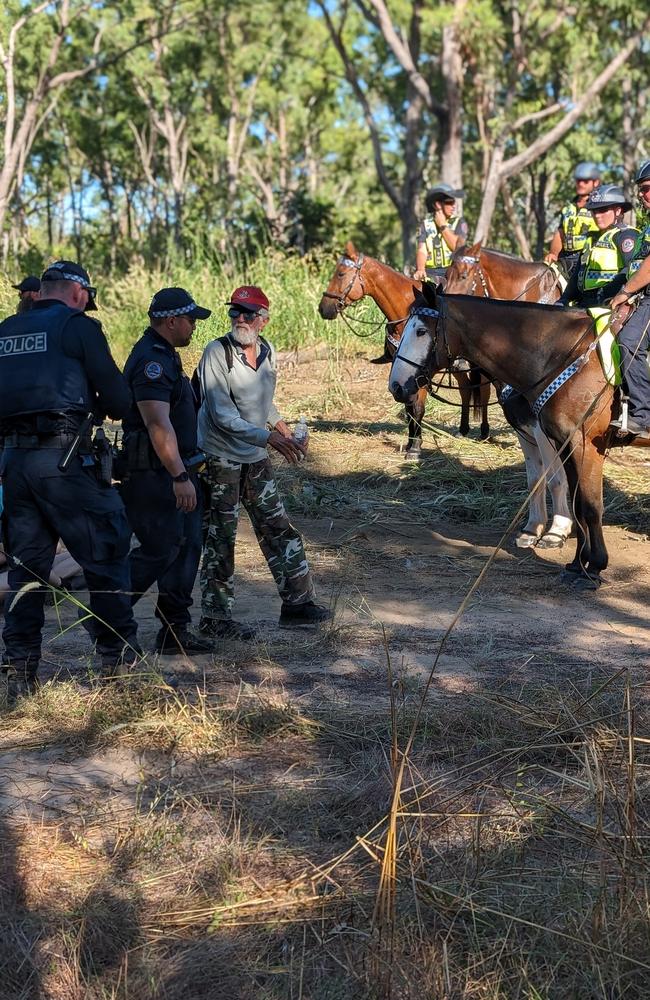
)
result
[(510, 256), (382, 263)]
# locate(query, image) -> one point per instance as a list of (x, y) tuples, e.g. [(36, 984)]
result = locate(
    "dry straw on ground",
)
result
[(241, 837)]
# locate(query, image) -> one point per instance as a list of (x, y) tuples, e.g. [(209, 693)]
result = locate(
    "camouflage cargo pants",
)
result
[(228, 485)]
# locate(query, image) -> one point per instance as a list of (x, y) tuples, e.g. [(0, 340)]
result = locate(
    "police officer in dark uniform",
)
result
[(634, 338), (55, 370), (160, 489), (28, 290)]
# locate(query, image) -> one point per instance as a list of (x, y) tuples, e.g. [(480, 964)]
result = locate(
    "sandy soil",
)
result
[(404, 575)]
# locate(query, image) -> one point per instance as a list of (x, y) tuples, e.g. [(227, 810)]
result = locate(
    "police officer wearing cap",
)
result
[(601, 271), (55, 370), (634, 337), (441, 232), (28, 290), (576, 224), (160, 455)]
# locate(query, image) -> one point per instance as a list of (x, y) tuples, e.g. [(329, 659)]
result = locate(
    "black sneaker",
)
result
[(303, 615), (170, 641), (225, 628)]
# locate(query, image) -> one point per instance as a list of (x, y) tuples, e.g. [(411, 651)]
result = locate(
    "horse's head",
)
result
[(463, 273), (421, 350), (346, 284)]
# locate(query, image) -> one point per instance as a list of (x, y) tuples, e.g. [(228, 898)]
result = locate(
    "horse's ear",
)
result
[(351, 250), (429, 291), (476, 249)]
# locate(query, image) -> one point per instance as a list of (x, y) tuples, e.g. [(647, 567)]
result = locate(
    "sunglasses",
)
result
[(644, 189), (249, 316)]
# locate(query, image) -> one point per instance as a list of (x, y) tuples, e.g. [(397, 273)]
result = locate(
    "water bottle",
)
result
[(301, 433)]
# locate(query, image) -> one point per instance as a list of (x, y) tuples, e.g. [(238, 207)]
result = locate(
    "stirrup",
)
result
[(621, 423)]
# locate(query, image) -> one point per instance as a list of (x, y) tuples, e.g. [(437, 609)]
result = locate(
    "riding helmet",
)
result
[(586, 171), (441, 192), (608, 196), (644, 172)]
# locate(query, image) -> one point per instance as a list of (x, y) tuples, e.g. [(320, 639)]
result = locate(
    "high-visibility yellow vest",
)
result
[(600, 261), (576, 226), (438, 253), (641, 252)]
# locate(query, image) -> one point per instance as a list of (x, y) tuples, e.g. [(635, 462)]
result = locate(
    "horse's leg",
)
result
[(536, 522), (556, 480), (485, 390), (465, 390), (584, 469), (415, 413)]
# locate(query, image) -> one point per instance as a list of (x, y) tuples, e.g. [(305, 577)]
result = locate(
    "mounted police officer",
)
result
[(160, 489), (601, 271), (634, 337), (576, 224), (56, 370), (441, 232), (28, 290)]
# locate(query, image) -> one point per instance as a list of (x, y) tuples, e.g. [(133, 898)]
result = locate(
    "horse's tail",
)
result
[(475, 376)]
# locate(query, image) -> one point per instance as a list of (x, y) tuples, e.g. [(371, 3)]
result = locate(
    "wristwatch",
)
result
[(442, 228), (182, 477)]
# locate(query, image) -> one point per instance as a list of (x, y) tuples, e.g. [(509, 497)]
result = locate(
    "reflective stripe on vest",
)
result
[(642, 251), (576, 225), (438, 253), (600, 262)]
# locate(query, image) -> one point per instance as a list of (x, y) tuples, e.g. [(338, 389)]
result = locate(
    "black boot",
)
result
[(18, 679)]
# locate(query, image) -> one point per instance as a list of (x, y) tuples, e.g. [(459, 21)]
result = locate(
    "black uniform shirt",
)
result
[(154, 371), (83, 338)]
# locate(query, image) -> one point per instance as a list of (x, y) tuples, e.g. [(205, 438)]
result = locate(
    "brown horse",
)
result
[(356, 276), (492, 274), (548, 355), (496, 275)]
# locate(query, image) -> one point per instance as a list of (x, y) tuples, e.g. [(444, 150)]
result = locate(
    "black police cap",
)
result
[(29, 284), (67, 270), (176, 302)]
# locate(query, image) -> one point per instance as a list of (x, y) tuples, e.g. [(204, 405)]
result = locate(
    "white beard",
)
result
[(243, 336)]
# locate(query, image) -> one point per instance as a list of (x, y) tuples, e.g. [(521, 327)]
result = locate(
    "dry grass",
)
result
[(277, 838)]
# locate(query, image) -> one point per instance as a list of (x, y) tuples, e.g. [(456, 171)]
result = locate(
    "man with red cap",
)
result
[(238, 375)]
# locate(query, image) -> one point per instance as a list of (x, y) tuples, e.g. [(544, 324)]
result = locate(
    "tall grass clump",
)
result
[(293, 284)]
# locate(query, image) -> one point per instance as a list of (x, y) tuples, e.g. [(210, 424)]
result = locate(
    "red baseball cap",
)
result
[(249, 297)]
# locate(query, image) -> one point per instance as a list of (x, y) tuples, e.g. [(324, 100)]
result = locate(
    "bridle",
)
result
[(478, 274), (341, 297), (342, 303), (423, 379)]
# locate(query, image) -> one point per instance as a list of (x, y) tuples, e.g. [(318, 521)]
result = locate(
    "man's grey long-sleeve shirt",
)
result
[(237, 405)]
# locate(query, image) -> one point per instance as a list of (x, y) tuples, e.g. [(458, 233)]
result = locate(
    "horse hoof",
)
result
[(569, 575), (525, 540), (551, 541), (412, 456)]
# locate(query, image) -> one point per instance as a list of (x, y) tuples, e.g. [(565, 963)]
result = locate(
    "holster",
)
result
[(137, 455), (103, 454)]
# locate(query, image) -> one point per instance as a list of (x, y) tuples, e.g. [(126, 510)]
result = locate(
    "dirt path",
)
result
[(394, 549)]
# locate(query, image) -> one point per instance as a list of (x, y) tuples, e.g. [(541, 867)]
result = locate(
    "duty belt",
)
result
[(35, 441)]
